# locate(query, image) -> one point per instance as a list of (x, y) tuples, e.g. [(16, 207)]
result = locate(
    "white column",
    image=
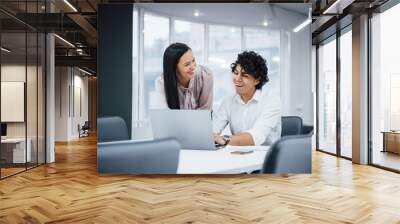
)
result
[(50, 99), (360, 90)]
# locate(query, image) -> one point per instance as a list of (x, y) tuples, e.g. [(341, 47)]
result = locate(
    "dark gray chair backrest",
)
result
[(290, 154), (291, 125), (111, 129), (138, 157), (307, 130)]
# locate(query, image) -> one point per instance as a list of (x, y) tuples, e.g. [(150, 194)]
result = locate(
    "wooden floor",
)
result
[(386, 159), (71, 191)]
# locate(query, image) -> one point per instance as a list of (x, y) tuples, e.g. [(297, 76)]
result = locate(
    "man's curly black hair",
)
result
[(254, 65)]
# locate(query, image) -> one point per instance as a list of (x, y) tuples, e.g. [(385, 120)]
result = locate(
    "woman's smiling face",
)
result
[(186, 66)]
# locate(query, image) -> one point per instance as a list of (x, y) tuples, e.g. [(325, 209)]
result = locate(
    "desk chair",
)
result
[(291, 125), (111, 129), (307, 130), (290, 154), (84, 129), (138, 157)]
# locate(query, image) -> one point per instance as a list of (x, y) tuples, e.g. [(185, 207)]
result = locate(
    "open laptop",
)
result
[(192, 128)]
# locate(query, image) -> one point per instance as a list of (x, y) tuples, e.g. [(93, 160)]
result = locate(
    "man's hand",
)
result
[(219, 139)]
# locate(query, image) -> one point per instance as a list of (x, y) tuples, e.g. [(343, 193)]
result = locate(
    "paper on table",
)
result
[(242, 152), (248, 148)]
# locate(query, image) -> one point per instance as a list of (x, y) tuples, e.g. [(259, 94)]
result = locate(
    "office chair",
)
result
[(138, 157), (111, 129), (307, 129), (84, 129), (290, 154), (291, 125)]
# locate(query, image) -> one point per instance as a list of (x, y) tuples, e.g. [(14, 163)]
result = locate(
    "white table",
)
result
[(19, 155), (222, 161)]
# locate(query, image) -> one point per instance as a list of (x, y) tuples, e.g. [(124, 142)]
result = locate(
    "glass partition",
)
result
[(385, 89), (15, 149), (327, 96), (22, 88), (346, 94)]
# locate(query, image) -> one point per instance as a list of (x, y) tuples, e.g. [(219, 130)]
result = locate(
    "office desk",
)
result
[(221, 161), (391, 141), (13, 150)]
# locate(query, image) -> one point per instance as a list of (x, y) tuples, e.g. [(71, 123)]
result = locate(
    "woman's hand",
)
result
[(219, 139)]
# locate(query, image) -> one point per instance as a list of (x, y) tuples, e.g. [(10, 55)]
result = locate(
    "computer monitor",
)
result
[(3, 129)]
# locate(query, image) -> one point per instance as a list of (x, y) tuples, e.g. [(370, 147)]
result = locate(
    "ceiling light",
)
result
[(265, 23), (196, 13), (65, 41), (331, 7), (305, 23), (302, 25), (70, 5), (5, 50), (43, 7), (276, 59), (84, 71), (233, 30)]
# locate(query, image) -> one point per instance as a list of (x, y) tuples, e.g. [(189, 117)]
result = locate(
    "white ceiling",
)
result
[(278, 15)]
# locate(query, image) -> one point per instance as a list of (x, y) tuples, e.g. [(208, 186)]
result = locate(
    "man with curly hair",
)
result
[(254, 112)]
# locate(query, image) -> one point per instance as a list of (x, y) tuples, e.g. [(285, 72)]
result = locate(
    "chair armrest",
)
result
[(307, 129)]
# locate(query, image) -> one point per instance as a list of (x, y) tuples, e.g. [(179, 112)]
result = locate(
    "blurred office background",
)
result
[(217, 33)]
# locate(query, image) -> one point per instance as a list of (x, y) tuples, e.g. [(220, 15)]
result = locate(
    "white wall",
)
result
[(300, 81), (67, 115), (33, 126), (12, 73)]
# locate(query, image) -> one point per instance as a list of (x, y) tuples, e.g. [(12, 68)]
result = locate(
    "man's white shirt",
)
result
[(260, 116)]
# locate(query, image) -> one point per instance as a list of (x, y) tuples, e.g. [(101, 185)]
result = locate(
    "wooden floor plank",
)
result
[(71, 191)]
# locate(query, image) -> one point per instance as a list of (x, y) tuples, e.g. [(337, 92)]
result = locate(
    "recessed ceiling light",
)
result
[(265, 23), (196, 13)]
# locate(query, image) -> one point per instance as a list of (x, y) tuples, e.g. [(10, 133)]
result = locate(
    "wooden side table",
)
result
[(391, 141)]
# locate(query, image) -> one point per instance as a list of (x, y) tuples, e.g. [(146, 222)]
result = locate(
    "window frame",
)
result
[(334, 37)]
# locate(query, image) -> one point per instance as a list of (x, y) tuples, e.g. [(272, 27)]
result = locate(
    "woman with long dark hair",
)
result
[(183, 84)]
